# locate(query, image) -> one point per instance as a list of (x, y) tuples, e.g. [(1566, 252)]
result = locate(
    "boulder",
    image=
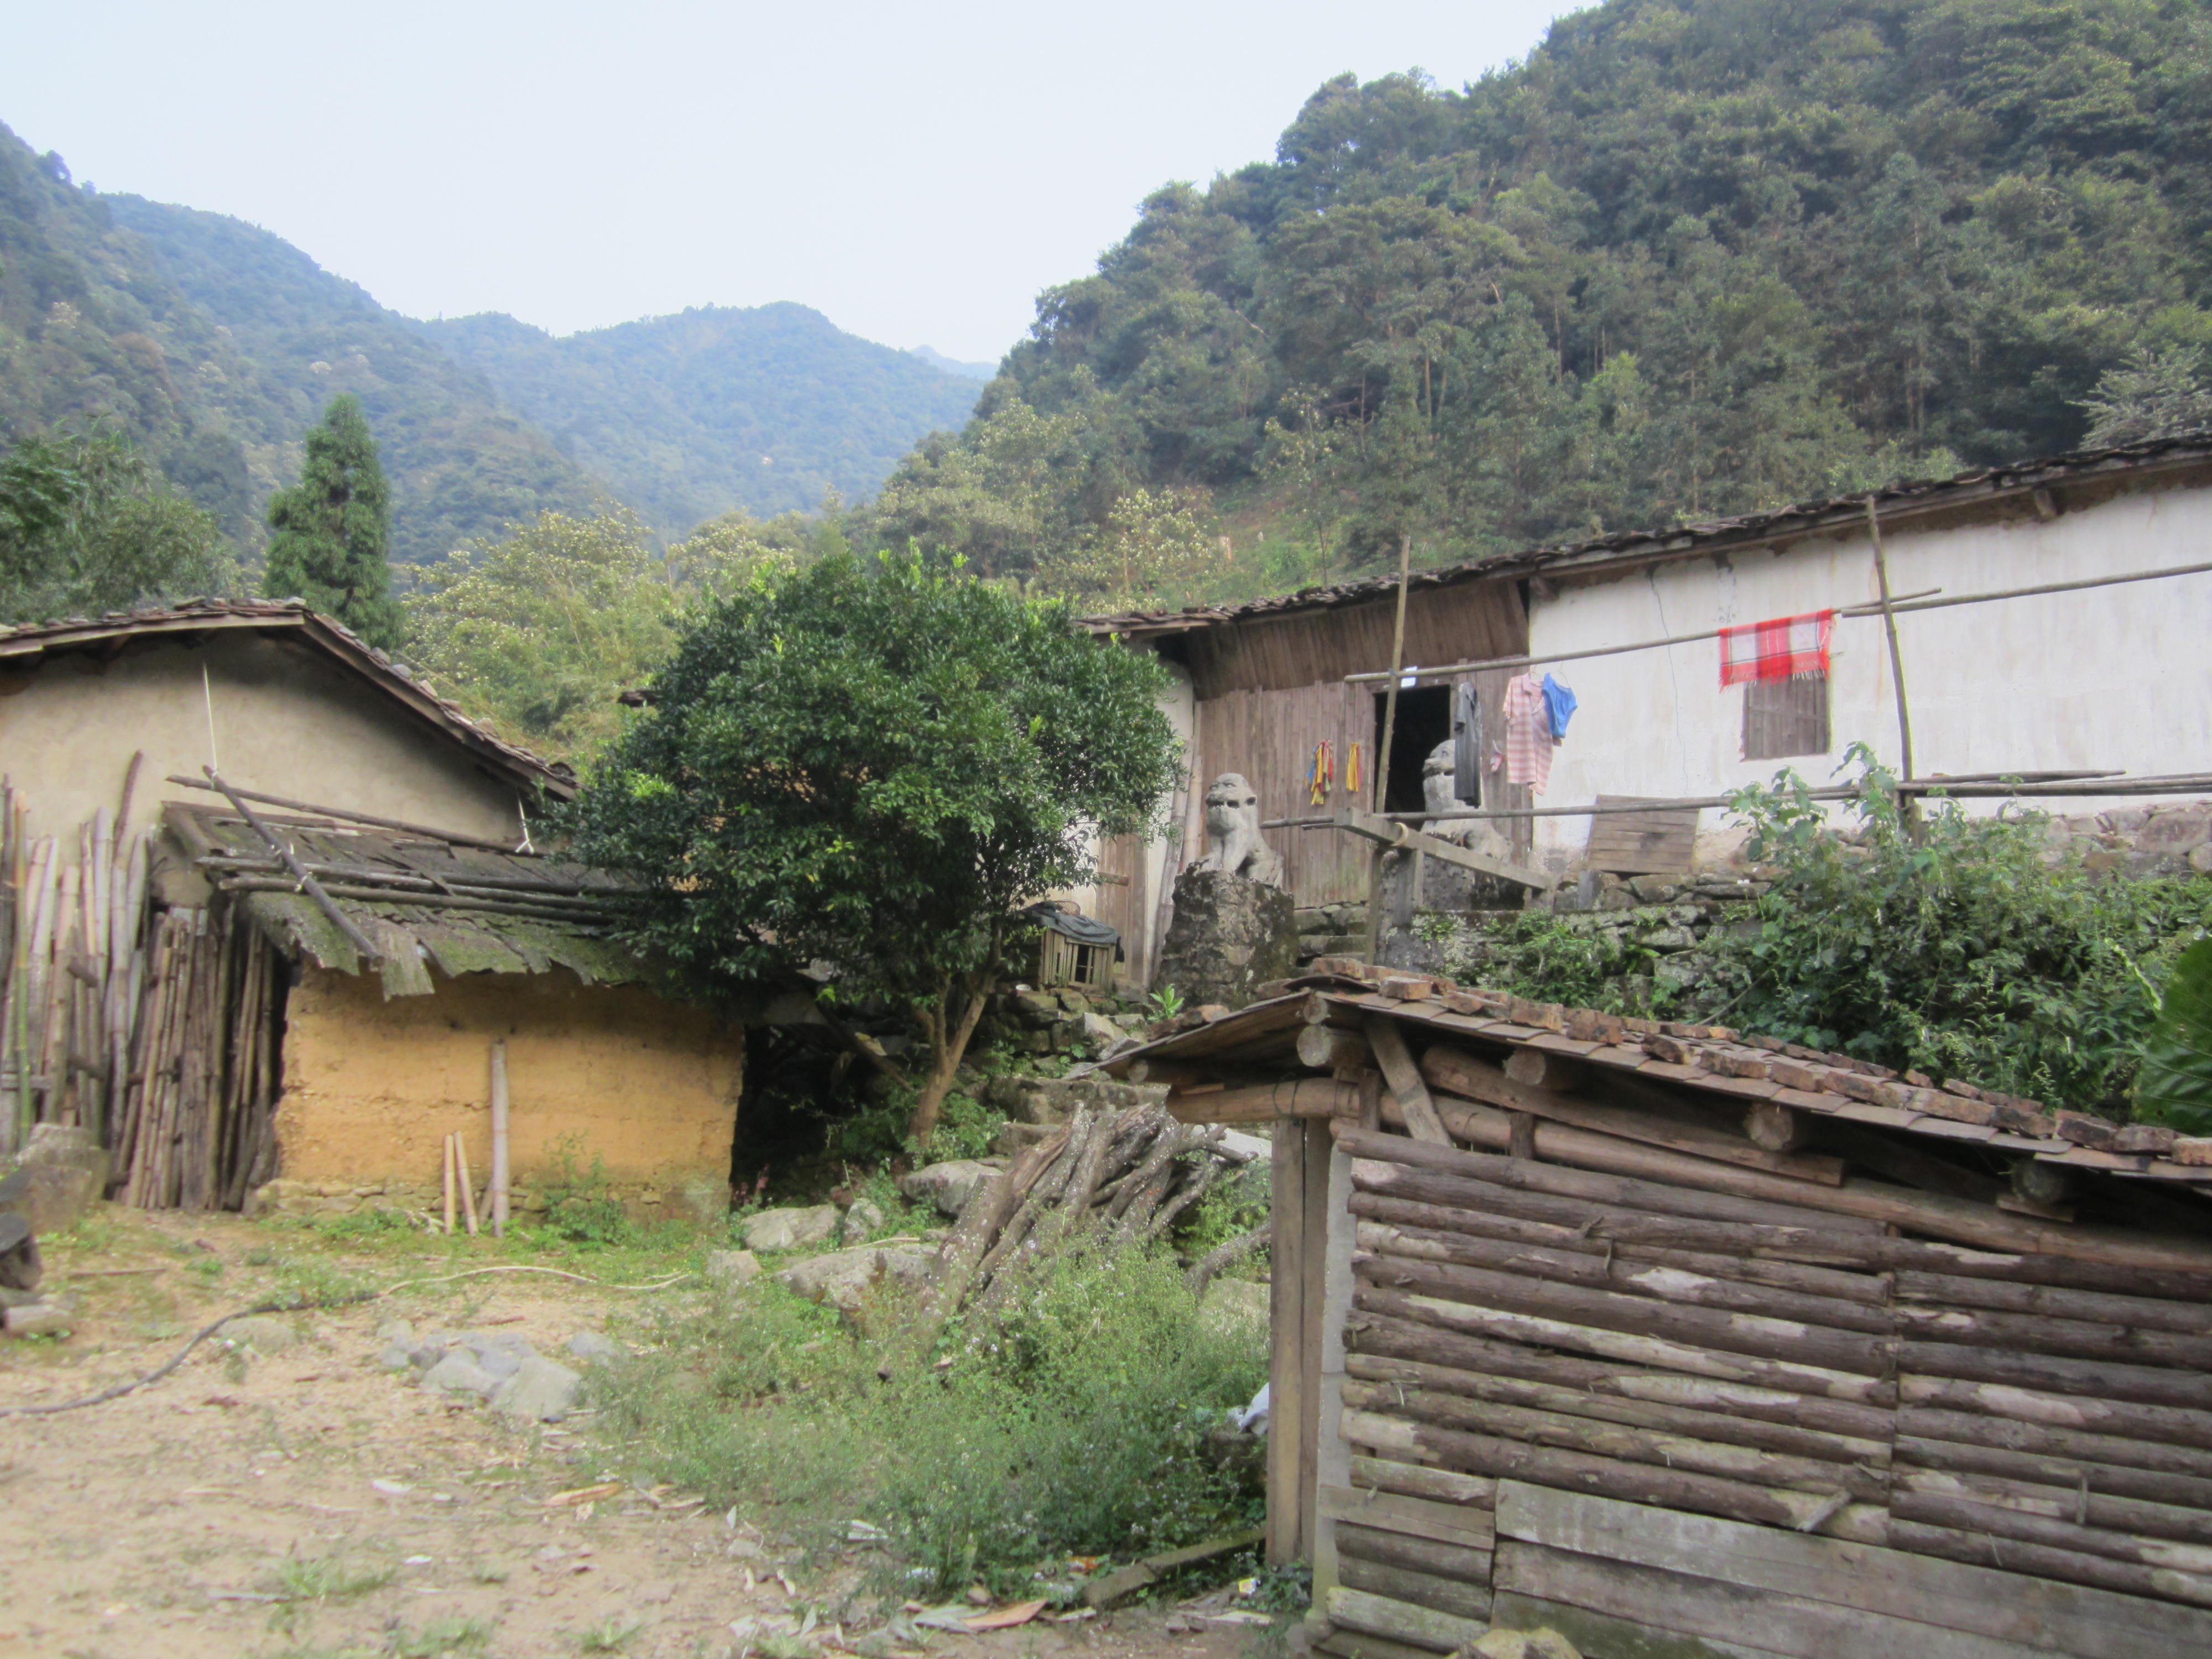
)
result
[(862, 1220), (262, 1332), (595, 1349), (21, 1269), (1099, 1032), (39, 1319), (949, 1185), (1229, 935), (844, 1278), (62, 1172), (790, 1230), (456, 1373), (543, 1391), (728, 1269)]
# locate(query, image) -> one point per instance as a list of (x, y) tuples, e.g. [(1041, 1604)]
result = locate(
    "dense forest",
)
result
[(209, 346), (1686, 260), (686, 416)]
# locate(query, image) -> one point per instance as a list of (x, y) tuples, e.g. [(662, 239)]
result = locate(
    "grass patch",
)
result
[(1068, 1420), (328, 1578)]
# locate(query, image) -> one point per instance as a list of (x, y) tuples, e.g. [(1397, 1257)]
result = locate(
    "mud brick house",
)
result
[(2086, 673), (173, 983), (1699, 1346)]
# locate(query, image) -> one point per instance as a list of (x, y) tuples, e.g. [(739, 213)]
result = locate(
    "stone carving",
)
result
[(1233, 842)]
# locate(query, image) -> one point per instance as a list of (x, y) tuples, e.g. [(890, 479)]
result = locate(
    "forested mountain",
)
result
[(953, 365), (1691, 258), (691, 414)]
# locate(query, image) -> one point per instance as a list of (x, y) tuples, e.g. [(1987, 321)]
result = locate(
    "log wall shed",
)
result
[(1694, 1345)]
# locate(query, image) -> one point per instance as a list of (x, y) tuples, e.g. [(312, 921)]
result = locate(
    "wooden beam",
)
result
[(1373, 827), (1388, 1044), (1265, 1102)]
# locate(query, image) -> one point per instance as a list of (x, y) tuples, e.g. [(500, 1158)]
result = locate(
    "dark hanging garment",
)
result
[(1467, 745)]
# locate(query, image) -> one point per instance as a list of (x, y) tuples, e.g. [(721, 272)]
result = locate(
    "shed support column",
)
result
[(1297, 1267)]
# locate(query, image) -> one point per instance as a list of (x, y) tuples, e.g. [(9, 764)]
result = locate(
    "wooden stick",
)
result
[(1964, 1515), (1387, 1040), (1328, 1048), (2100, 1380), (1264, 1103), (468, 1183), (450, 1194), (1889, 626), (307, 884), (499, 1137), (359, 817), (2046, 1561), (2078, 1485)]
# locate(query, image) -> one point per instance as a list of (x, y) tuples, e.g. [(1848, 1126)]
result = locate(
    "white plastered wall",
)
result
[(287, 721), (2104, 679)]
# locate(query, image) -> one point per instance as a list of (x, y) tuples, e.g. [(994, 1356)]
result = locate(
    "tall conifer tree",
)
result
[(333, 528)]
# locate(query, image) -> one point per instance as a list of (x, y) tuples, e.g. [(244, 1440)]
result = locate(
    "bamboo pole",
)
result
[(404, 827), (1380, 786), (499, 1143), (307, 884), (1889, 627), (467, 1181), (449, 1183)]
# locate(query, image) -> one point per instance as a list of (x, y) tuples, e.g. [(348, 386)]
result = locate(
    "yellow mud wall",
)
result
[(373, 1087)]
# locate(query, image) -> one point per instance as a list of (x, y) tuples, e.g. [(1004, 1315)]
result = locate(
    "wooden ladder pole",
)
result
[(1381, 783), (1896, 657)]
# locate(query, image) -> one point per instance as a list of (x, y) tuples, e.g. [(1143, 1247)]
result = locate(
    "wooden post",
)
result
[(1286, 1324), (1896, 658), (1381, 780), (468, 1182), (449, 1183), (499, 1171)]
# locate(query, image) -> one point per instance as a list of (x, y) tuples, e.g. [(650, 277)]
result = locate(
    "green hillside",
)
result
[(691, 414), (1687, 259)]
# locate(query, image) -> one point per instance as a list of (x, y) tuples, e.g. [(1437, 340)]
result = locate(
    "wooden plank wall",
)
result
[(1650, 1413), (1270, 737)]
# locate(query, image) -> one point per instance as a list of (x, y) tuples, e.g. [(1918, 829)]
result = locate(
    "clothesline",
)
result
[(1923, 600)]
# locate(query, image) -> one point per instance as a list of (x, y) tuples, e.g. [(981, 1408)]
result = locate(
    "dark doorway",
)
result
[(1424, 721)]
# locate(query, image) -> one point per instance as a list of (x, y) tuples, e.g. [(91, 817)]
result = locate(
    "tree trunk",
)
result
[(948, 1043)]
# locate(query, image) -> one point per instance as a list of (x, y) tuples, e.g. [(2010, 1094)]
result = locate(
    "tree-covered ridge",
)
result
[(765, 410), (1686, 260)]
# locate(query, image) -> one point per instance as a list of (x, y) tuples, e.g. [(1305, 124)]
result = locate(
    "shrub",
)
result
[(580, 1205)]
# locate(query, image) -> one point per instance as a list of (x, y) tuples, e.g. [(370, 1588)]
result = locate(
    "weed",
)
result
[(328, 1578), (440, 1637), (484, 1573), (205, 1268), (610, 1635), (1164, 1003), (579, 1204), (364, 1223)]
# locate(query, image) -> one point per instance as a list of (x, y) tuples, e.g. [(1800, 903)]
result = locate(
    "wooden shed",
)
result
[(1690, 1345)]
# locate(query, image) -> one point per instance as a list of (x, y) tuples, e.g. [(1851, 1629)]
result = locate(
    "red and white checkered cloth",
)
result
[(1779, 648)]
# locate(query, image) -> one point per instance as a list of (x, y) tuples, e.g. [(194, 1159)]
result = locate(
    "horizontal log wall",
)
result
[(2019, 1442)]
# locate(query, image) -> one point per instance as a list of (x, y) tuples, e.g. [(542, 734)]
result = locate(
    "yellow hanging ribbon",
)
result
[(1322, 777), (1352, 772)]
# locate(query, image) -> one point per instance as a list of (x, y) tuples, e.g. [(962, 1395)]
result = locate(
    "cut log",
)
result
[(1330, 1048), (1869, 1289), (1787, 1439), (1966, 1430), (1265, 1102), (2189, 1561), (1656, 1353), (2140, 1313), (1395, 1547), (1455, 1526), (1471, 1492), (1396, 1062), (1777, 1128), (2076, 1502), (1401, 1621), (1625, 1274), (2079, 1484), (2048, 1333), (2093, 1380), (1453, 1071), (1540, 1068), (2124, 1418), (2042, 1183), (1378, 1334), (1439, 1594), (2020, 1556), (1633, 1483), (1624, 1443)]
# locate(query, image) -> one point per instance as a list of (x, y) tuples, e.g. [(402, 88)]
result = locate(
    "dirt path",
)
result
[(309, 1505)]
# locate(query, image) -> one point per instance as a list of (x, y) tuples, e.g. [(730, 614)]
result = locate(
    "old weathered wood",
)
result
[(1401, 1621), (1593, 1236), (1789, 1439), (1704, 1607), (2081, 1482), (2183, 1570), (1617, 1272), (1967, 1430), (306, 883), (2076, 1501), (1459, 1597), (1444, 1487), (1330, 1048), (1540, 1068), (1454, 1524), (1617, 1638), (1356, 1643), (2140, 1313), (1399, 1547), (1388, 1042), (2019, 1557), (1455, 1072), (467, 1182), (1290, 1521), (1624, 1443), (1776, 1127), (451, 1178), (2058, 1409), (1631, 837), (1635, 1483), (2050, 1333), (1955, 1219), (500, 1193), (1506, 1368), (1505, 1325), (2008, 1607), (1265, 1102), (2100, 1380), (1402, 837)]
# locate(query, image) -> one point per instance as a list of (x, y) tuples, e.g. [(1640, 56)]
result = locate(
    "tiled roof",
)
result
[(1833, 512), (190, 617)]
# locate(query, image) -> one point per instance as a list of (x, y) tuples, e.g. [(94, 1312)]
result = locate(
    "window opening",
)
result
[(1786, 717)]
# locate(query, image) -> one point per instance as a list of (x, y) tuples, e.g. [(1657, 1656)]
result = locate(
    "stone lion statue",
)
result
[(1233, 842), (1482, 834)]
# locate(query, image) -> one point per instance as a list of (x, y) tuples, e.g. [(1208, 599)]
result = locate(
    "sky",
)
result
[(917, 173)]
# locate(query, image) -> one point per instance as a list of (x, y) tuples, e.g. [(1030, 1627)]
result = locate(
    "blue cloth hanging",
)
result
[(1559, 704)]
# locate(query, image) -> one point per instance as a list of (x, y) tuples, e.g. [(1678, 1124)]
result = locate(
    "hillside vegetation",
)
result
[(689, 416), (1687, 259)]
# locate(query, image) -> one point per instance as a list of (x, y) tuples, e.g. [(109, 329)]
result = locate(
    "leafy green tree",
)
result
[(870, 765), (1157, 547), (2154, 394), (332, 529), (86, 525)]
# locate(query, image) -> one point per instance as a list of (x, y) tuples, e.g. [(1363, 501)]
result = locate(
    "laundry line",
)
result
[(1927, 600)]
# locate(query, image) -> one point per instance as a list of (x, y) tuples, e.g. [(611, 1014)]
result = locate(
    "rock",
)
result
[(395, 1330), (543, 1391), (705, 1201), (456, 1373), (21, 1267), (1616, 898), (1524, 1645), (845, 1279), (1667, 939), (260, 1332), (39, 1319), (1099, 1032), (593, 1348), (728, 1269), (1653, 890), (397, 1356), (864, 1219), (1229, 935), (791, 1229), (61, 1171), (949, 1185), (1036, 1008), (502, 1362), (2200, 860)]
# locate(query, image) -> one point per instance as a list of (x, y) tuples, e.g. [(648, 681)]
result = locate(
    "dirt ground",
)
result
[(309, 1505)]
